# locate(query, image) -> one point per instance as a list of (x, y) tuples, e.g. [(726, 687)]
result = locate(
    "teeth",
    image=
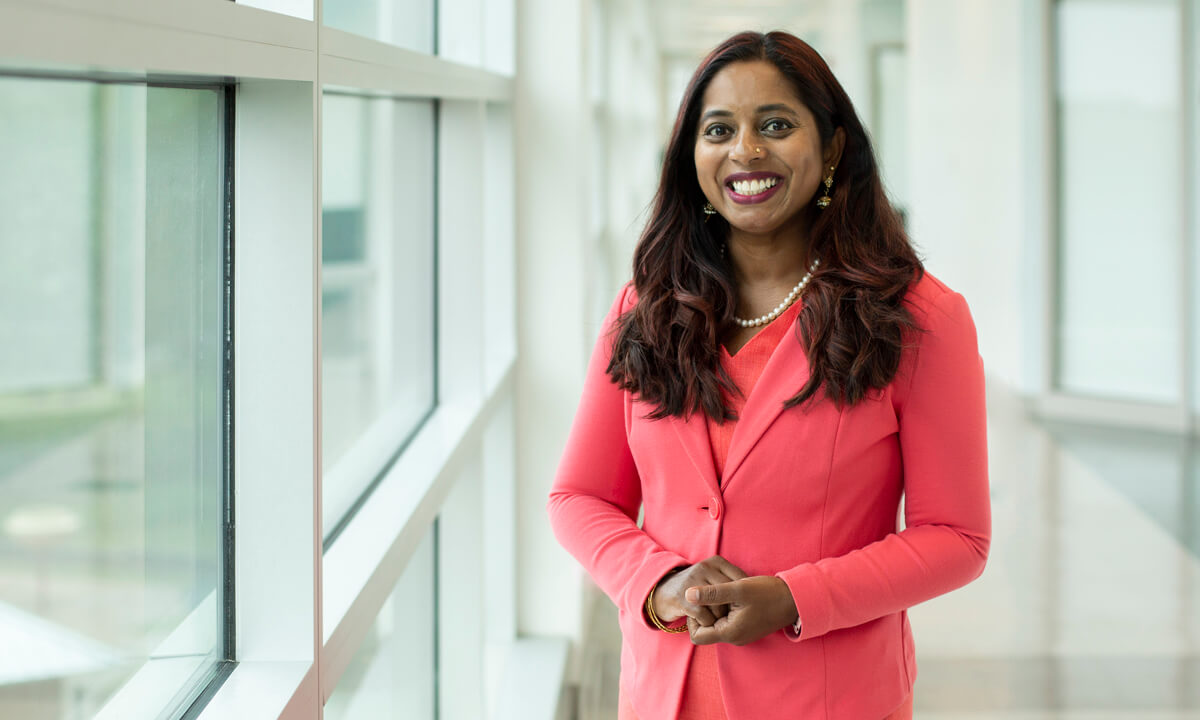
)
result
[(753, 187)]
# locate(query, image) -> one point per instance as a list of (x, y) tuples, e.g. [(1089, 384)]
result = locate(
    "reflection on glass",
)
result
[(110, 391), (377, 319), (407, 23), (392, 674), (1119, 126)]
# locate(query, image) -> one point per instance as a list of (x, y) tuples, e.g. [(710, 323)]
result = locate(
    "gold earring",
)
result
[(824, 200), (709, 211)]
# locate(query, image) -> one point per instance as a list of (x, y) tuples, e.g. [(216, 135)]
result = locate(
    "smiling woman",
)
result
[(769, 576), (758, 163)]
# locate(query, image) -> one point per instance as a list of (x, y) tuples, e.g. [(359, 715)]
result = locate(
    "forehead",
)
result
[(748, 85)]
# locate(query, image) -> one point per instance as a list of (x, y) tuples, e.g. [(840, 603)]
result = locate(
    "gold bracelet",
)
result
[(654, 618)]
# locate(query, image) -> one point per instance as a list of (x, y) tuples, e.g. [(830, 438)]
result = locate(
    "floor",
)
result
[(1090, 605)]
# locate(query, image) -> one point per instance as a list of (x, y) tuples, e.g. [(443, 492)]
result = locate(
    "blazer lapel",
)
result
[(693, 435), (785, 373)]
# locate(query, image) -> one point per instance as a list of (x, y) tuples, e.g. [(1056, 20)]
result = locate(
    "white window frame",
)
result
[(294, 638)]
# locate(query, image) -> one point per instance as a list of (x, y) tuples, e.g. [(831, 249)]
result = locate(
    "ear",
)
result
[(833, 151)]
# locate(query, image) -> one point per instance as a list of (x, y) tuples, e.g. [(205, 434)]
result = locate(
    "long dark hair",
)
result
[(853, 325)]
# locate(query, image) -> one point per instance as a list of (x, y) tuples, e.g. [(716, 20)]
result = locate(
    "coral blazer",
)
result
[(810, 494)]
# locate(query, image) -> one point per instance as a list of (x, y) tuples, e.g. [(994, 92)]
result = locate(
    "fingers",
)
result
[(671, 600), (708, 634), (709, 576), (733, 572), (755, 610), (675, 596), (702, 616), (737, 628), (723, 594)]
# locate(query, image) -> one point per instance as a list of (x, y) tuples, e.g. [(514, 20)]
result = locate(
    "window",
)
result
[(377, 310), (392, 674), (112, 392), (1121, 198), (119, 437), (407, 24)]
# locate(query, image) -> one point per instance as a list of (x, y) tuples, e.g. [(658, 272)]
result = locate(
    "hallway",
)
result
[(297, 299)]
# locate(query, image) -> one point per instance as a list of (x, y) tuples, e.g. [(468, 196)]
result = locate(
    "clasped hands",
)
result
[(723, 604)]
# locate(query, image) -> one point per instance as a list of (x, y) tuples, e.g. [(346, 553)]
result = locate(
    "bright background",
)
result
[(296, 298)]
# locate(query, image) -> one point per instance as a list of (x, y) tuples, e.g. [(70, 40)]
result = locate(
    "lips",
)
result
[(750, 188)]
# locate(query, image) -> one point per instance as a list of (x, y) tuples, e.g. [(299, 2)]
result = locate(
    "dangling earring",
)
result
[(709, 211), (824, 200)]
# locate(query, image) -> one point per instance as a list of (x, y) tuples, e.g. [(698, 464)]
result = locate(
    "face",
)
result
[(759, 158)]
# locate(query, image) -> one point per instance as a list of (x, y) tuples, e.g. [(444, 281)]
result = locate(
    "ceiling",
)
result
[(690, 28)]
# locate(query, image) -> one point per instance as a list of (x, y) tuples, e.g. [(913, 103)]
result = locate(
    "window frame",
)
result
[(1055, 402), (288, 655), (142, 693)]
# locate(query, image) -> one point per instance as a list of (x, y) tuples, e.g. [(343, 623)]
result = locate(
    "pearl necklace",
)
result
[(787, 301)]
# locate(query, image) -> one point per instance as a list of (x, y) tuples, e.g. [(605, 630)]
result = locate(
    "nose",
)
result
[(746, 148)]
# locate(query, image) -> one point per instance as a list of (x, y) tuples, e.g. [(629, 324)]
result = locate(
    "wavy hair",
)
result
[(853, 325)]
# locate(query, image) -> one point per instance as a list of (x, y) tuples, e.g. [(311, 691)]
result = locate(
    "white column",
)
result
[(553, 339)]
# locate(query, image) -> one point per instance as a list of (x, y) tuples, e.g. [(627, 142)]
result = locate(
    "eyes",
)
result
[(774, 126)]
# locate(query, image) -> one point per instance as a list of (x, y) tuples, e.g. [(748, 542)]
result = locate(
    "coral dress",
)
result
[(702, 690)]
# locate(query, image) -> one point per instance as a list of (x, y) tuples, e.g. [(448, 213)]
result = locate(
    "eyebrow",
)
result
[(774, 107)]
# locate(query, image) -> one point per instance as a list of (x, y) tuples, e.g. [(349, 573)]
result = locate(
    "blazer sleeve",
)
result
[(597, 493), (943, 445)]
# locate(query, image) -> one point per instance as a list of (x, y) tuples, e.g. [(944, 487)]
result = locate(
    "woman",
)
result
[(779, 373)]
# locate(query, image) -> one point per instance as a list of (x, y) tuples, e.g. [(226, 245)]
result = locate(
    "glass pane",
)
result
[(408, 24), (111, 459), (499, 245), (392, 674), (891, 120), (1120, 198), (377, 287)]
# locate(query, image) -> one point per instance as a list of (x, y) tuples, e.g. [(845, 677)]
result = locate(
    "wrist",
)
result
[(787, 613), (658, 595), (666, 624)]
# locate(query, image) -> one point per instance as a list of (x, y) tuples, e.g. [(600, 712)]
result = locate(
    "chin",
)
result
[(756, 228)]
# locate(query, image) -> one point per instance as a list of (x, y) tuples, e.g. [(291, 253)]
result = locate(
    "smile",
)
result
[(747, 188), (753, 187)]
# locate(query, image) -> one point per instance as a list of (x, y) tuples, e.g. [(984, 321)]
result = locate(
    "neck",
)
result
[(767, 268), (777, 258)]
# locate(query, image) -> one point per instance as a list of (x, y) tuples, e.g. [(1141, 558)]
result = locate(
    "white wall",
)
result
[(977, 168)]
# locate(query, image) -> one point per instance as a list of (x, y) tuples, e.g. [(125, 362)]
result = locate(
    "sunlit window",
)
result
[(377, 313), (112, 408), (1121, 199)]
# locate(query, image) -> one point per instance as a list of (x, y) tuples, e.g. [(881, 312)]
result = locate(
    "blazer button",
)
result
[(714, 508)]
